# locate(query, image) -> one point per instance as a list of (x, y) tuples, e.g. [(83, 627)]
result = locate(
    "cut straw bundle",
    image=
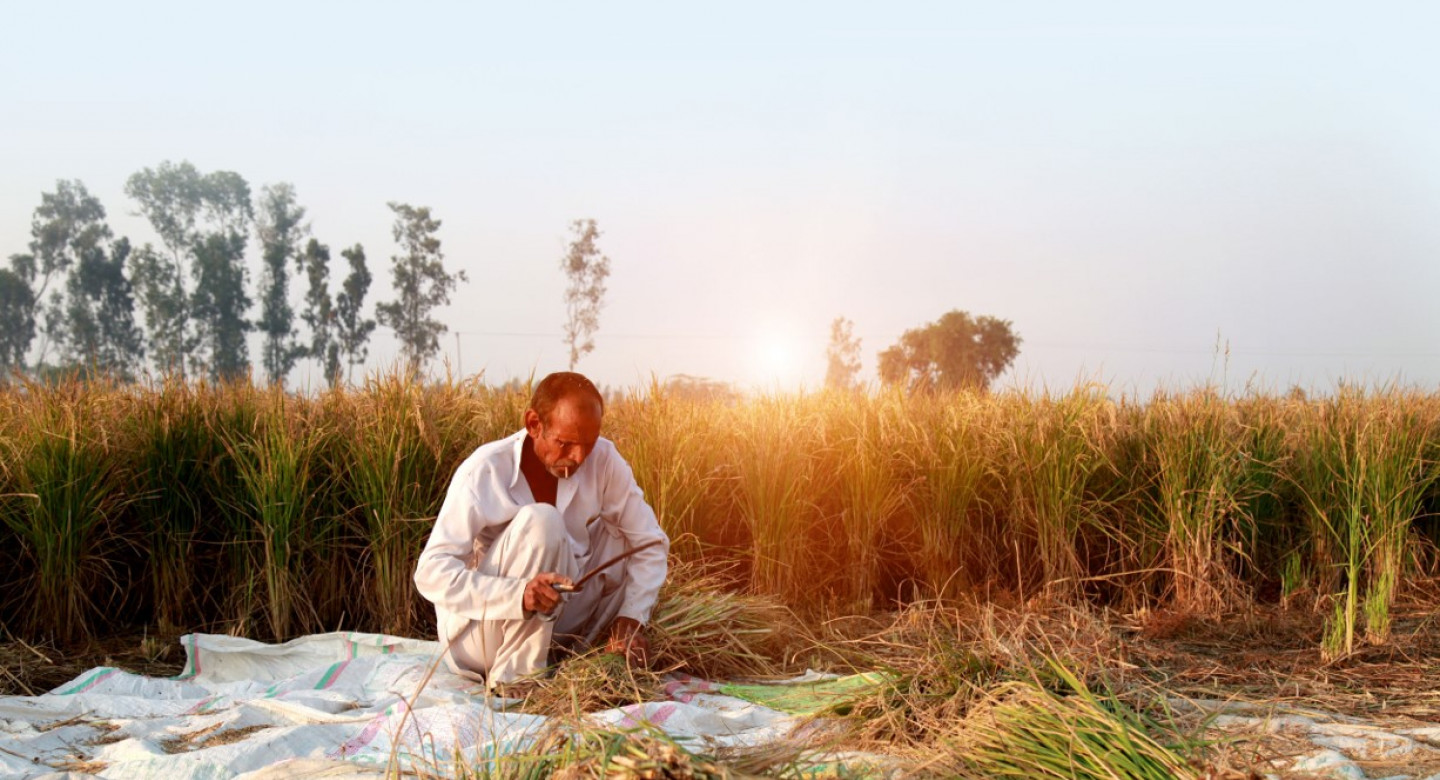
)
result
[(603, 753), (591, 682), (1028, 731), (707, 630)]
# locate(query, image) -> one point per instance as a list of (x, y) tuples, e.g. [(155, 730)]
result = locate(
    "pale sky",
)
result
[(1128, 183)]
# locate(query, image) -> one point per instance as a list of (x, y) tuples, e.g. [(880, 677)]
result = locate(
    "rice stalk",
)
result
[(700, 625), (1053, 448), (274, 463), (772, 453), (173, 451), (237, 408), (1029, 731), (393, 477), (664, 440), (949, 443), (871, 491), (1361, 466), (1201, 495), (1400, 478), (590, 682), (67, 491), (941, 660), (603, 753)]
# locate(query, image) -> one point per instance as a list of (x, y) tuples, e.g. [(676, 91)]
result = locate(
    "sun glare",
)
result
[(776, 359)]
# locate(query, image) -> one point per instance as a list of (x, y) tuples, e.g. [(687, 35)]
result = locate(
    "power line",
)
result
[(650, 336), (1134, 348)]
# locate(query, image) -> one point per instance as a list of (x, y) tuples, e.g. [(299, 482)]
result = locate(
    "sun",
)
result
[(776, 358)]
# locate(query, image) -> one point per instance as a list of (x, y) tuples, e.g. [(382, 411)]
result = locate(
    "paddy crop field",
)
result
[(1036, 573)]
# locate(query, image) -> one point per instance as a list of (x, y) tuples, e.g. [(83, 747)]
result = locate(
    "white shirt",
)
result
[(487, 492)]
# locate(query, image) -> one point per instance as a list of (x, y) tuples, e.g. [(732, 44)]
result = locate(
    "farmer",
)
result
[(531, 513)]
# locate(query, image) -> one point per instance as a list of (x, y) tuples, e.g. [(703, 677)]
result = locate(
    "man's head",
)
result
[(563, 421)]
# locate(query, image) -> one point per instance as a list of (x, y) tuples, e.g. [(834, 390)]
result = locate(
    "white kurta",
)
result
[(468, 579)]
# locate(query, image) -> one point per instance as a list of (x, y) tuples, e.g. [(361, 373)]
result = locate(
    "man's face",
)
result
[(564, 441)]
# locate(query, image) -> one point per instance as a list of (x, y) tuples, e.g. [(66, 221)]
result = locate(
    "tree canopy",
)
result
[(421, 283), (353, 330), (842, 356), (587, 270), (280, 226), (955, 351), (203, 220)]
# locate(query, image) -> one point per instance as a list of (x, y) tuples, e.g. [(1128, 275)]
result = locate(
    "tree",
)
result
[(100, 311), (195, 215), (953, 352), (421, 282), (17, 320), (219, 304), (319, 313), (170, 197), (279, 228), (162, 297), (587, 269), (69, 224), (843, 355), (352, 330)]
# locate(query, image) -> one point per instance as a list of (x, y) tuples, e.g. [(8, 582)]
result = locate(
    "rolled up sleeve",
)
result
[(444, 574)]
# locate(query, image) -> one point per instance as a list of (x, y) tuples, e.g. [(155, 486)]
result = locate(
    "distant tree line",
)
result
[(954, 352), (76, 300)]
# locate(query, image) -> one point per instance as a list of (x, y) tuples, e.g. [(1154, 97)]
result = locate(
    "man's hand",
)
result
[(540, 596), (627, 638)]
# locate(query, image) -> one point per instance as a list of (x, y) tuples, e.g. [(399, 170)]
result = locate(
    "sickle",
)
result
[(580, 583)]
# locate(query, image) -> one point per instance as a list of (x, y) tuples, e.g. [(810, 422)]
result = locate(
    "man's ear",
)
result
[(532, 423)]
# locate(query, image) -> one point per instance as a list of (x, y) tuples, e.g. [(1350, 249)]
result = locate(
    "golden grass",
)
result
[(123, 507)]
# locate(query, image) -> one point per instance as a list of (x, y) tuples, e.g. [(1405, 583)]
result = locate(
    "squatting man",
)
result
[(524, 518)]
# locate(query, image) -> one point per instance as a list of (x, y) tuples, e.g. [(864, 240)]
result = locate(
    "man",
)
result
[(533, 511)]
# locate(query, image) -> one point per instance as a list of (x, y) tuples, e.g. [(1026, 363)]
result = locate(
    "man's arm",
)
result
[(645, 572), (442, 575)]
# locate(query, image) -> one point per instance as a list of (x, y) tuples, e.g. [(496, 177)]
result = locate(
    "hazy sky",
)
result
[(1129, 184)]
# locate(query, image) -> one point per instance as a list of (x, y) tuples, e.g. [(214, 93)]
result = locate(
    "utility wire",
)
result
[(1157, 350)]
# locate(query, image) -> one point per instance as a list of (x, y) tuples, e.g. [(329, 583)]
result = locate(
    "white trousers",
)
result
[(536, 541)]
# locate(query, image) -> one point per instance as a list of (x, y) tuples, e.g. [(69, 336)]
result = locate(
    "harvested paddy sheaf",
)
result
[(591, 682), (586, 754), (702, 626)]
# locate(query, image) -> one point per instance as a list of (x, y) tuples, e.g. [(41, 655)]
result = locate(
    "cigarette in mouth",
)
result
[(566, 470)]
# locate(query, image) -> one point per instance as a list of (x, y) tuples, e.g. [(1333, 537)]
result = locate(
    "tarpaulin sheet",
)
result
[(327, 705)]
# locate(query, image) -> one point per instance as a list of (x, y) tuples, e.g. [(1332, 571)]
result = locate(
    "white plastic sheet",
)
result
[(328, 705)]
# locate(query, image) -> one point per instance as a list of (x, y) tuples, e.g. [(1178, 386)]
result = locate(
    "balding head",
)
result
[(563, 385)]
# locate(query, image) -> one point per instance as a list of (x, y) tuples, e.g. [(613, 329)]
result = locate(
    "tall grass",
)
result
[(871, 486), (391, 469), (772, 453), (1201, 493), (669, 448), (951, 452), (274, 465), (173, 451), (189, 506), (1051, 449), (62, 498), (1361, 464)]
